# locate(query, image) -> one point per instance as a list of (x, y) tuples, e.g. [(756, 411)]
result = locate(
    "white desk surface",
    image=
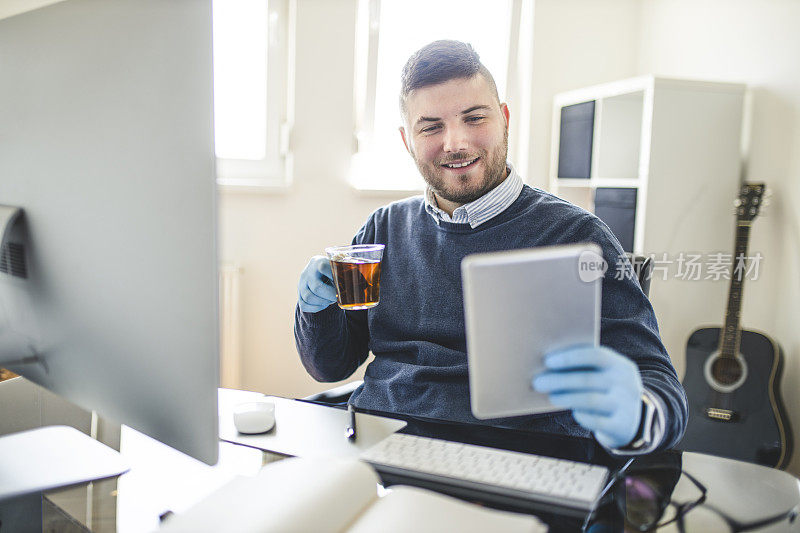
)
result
[(304, 429)]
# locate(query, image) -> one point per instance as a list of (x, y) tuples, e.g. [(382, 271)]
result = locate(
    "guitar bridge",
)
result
[(724, 415)]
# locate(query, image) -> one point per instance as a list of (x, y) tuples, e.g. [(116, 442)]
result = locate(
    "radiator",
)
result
[(230, 353)]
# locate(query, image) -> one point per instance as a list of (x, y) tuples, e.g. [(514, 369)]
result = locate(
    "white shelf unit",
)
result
[(677, 142)]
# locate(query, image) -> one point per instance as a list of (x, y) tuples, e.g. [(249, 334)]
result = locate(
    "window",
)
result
[(389, 32), (251, 90)]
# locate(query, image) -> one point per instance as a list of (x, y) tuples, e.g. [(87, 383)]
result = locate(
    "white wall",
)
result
[(754, 42), (9, 8)]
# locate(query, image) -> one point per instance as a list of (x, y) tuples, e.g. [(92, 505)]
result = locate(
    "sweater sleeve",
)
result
[(628, 325), (332, 343)]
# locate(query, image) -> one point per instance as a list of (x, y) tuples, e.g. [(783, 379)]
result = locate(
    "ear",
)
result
[(403, 136), (506, 114)]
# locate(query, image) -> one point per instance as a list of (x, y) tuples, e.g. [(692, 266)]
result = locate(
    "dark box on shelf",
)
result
[(575, 144), (617, 208)]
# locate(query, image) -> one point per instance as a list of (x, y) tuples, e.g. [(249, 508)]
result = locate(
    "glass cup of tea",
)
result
[(357, 274)]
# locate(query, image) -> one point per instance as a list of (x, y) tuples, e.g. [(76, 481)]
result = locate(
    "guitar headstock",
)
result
[(749, 202)]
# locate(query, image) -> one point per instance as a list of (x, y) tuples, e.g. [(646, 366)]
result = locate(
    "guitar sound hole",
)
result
[(726, 371)]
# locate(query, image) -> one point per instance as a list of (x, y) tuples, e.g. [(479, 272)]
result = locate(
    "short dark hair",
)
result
[(438, 62)]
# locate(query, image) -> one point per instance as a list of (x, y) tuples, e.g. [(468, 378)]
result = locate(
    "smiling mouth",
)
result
[(461, 165)]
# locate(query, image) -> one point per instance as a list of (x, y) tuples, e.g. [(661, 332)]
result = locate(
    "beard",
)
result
[(459, 189)]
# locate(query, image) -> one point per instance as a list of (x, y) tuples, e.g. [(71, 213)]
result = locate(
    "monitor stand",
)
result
[(52, 457)]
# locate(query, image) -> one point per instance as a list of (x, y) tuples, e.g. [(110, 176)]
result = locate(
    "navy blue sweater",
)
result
[(417, 331)]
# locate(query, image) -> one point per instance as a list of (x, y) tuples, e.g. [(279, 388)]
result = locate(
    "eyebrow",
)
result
[(465, 112)]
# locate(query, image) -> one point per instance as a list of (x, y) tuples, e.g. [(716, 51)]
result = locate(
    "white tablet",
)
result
[(518, 306)]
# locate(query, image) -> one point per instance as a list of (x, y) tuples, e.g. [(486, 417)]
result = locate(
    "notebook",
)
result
[(518, 306), (336, 495)]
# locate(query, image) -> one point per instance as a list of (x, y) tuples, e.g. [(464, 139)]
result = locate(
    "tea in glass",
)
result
[(357, 274)]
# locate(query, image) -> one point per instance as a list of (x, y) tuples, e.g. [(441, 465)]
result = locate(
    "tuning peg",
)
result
[(737, 202)]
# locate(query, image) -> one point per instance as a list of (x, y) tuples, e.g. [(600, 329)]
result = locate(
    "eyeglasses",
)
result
[(648, 505)]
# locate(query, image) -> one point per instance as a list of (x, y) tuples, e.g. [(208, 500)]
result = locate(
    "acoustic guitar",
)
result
[(733, 375)]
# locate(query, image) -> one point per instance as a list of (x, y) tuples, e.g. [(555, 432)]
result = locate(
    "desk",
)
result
[(162, 479)]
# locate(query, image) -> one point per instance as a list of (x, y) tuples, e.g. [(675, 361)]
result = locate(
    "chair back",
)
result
[(643, 267)]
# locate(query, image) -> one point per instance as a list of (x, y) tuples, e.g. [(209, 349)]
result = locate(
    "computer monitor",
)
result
[(109, 288)]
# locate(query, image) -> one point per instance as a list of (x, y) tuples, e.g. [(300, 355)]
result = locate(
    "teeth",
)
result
[(459, 165)]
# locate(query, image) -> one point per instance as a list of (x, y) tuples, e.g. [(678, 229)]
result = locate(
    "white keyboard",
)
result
[(519, 476)]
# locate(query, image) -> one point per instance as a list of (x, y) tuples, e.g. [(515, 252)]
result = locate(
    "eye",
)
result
[(474, 118), (430, 129)]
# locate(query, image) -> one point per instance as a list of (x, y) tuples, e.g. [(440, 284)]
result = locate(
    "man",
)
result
[(456, 130)]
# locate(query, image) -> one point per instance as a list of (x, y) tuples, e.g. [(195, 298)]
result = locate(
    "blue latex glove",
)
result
[(316, 291), (601, 387)]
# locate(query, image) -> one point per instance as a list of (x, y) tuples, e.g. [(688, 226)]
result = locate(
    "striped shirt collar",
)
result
[(484, 208)]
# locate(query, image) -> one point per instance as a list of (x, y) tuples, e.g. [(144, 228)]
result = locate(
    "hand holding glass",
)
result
[(315, 290)]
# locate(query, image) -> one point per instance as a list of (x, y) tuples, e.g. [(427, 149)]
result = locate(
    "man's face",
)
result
[(457, 134)]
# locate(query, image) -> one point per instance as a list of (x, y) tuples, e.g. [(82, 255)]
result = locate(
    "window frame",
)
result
[(518, 86), (274, 171)]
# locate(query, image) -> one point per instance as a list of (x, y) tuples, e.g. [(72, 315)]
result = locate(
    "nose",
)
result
[(455, 139)]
